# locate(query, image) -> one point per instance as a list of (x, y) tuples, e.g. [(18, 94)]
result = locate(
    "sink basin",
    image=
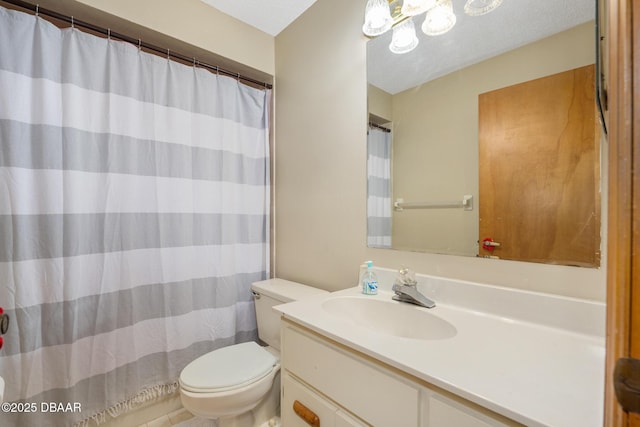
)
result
[(393, 318)]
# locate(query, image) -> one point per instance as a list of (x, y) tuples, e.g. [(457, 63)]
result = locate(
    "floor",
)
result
[(179, 418)]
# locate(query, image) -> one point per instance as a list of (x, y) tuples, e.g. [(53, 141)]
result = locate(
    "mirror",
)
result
[(429, 101)]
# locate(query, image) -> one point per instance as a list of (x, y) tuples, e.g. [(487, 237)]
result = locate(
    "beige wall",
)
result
[(187, 26), (321, 123), (379, 104), (195, 22), (320, 169), (435, 138)]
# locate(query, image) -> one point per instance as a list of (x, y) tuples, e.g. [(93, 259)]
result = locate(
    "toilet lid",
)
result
[(227, 368)]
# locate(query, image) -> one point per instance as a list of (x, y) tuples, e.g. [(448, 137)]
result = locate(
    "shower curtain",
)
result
[(378, 188), (134, 215)]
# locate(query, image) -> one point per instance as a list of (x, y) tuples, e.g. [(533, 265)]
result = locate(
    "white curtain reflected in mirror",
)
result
[(379, 187)]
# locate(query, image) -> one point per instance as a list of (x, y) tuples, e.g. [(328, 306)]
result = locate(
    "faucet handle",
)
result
[(406, 277)]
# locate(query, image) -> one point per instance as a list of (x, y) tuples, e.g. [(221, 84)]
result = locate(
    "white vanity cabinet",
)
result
[(298, 395), (445, 412), (344, 388)]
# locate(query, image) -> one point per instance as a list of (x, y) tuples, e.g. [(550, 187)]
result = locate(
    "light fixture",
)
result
[(382, 15), (416, 7), (377, 18), (480, 7), (404, 37), (439, 19)]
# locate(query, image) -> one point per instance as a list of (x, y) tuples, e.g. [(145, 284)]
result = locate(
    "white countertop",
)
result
[(534, 373)]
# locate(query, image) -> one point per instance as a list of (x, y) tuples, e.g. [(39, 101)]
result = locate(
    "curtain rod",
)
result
[(137, 42), (382, 128)]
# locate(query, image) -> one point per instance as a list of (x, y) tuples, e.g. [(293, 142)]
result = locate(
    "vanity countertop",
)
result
[(534, 373)]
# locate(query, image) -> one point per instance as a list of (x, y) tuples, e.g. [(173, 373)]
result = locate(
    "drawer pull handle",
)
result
[(306, 414)]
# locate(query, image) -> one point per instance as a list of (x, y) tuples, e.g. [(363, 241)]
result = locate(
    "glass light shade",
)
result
[(404, 37), (416, 7), (480, 7), (377, 18), (439, 19)]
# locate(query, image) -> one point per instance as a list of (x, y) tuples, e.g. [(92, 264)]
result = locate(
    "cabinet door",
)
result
[(345, 420), (350, 381), (446, 413), (294, 391)]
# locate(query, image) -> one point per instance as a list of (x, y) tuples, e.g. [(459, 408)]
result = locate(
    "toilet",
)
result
[(239, 385)]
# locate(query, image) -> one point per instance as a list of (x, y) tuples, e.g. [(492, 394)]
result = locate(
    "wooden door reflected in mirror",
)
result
[(540, 170)]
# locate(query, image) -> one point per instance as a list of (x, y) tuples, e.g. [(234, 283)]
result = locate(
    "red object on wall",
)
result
[(486, 244)]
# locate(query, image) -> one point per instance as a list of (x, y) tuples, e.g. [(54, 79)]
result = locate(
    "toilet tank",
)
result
[(269, 293)]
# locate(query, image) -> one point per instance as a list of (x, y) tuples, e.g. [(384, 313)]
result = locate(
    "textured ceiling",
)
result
[(473, 39), (270, 16)]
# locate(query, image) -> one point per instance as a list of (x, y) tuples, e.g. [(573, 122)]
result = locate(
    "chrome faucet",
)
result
[(406, 290)]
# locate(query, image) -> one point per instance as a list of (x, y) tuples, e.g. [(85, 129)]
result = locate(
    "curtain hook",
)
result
[(238, 77), (139, 44), (37, 10), (108, 33), (217, 71), (168, 54), (72, 22)]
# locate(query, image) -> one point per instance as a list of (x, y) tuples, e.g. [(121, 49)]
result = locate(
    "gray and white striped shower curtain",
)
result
[(134, 215), (378, 188)]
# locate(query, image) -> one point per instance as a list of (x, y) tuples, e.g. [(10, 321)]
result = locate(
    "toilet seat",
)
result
[(227, 368)]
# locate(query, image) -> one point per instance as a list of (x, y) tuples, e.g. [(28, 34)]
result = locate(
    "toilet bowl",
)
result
[(239, 385), (228, 382)]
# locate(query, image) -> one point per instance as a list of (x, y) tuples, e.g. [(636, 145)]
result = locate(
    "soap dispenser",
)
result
[(369, 281), (363, 270)]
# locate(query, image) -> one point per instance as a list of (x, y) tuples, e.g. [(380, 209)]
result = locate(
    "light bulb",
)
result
[(439, 19), (404, 37), (480, 7), (377, 18)]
